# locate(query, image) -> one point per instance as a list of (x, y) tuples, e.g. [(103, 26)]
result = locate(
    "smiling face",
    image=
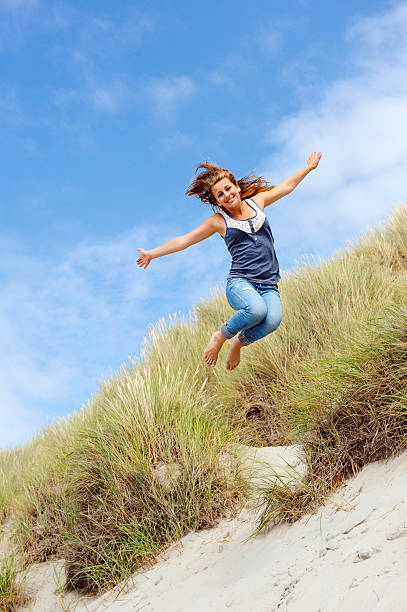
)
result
[(226, 193)]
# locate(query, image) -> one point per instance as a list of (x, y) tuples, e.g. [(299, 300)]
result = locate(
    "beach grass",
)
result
[(12, 596), (332, 379)]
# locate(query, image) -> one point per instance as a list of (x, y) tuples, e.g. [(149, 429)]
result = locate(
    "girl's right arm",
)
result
[(208, 228)]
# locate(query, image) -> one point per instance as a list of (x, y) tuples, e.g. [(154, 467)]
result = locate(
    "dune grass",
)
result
[(346, 408), (332, 378), (12, 595), (140, 420)]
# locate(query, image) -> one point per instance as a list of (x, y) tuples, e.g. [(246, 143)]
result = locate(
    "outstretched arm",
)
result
[(208, 228), (268, 197)]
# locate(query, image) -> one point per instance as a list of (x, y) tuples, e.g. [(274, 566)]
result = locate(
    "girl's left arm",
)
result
[(268, 197)]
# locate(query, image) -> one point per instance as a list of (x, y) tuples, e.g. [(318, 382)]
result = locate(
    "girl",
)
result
[(252, 283)]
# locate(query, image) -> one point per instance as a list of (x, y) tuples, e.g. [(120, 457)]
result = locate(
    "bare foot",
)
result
[(212, 350), (233, 359)]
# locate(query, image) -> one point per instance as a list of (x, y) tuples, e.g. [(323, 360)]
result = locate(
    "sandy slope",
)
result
[(351, 555), (348, 556)]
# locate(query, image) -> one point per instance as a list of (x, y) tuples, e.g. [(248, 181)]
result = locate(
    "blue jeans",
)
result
[(258, 310)]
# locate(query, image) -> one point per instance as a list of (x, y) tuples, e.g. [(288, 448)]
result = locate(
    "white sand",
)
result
[(42, 582), (351, 555), (43, 585)]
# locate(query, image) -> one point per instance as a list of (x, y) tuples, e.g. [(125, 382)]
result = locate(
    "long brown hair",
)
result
[(201, 185)]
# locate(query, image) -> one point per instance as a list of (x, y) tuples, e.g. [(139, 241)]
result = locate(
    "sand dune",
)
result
[(350, 555)]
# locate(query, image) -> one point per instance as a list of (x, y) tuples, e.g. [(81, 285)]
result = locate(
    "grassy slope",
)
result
[(331, 378)]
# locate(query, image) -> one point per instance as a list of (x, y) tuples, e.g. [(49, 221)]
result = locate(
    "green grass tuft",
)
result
[(12, 596)]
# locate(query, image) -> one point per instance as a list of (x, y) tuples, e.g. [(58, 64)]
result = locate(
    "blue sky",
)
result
[(105, 108)]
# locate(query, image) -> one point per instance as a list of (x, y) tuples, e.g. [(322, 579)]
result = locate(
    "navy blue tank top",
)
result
[(251, 245)]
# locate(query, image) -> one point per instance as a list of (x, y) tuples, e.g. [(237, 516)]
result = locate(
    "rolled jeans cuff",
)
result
[(225, 332), (244, 340)]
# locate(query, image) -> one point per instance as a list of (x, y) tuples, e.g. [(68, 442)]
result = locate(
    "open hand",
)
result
[(313, 160), (144, 258)]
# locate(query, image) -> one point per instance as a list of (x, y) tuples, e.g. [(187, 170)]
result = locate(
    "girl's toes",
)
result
[(209, 360)]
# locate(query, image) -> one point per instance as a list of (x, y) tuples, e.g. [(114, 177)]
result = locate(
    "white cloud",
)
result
[(17, 5), (105, 100), (222, 78), (169, 93), (58, 323), (234, 68), (271, 41), (172, 142), (101, 37), (96, 36), (96, 93), (107, 96), (84, 54), (359, 126), (10, 107), (381, 33), (241, 66), (29, 377), (21, 20)]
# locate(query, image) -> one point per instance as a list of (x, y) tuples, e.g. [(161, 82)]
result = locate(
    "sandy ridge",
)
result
[(351, 555)]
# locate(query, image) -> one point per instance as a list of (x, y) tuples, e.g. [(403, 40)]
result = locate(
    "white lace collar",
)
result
[(250, 226)]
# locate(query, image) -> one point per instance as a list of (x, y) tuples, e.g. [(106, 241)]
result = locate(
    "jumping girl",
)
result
[(252, 283)]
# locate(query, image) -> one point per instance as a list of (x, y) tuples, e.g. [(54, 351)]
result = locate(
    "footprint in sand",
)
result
[(366, 553), (399, 532)]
